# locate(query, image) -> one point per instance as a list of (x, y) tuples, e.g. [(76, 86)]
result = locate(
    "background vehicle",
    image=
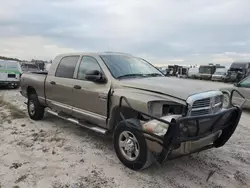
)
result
[(149, 115), (29, 67), (244, 88), (173, 69), (220, 74), (182, 71), (47, 66), (206, 71), (165, 71), (193, 73), (10, 72), (238, 71)]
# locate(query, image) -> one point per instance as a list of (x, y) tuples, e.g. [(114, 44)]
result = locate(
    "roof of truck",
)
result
[(94, 53)]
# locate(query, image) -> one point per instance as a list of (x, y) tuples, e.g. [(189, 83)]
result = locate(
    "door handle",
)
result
[(77, 87), (52, 82)]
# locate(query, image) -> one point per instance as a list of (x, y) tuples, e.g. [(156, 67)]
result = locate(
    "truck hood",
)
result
[(174, 87)]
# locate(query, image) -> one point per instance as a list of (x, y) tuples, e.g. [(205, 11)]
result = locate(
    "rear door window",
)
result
[(67, 66)]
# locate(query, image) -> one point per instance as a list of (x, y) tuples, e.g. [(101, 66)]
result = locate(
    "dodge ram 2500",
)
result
[(149, 115)]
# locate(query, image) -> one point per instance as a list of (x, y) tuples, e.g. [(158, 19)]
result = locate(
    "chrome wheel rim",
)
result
[(129, 146), (31, 107)]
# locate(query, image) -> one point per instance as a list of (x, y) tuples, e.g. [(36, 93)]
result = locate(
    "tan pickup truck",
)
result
[(151, 117)]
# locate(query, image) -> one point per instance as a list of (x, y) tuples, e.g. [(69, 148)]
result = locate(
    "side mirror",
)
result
[(95, 76), (236, 84)]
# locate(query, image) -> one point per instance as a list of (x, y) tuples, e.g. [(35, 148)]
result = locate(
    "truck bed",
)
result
[(37, 81)]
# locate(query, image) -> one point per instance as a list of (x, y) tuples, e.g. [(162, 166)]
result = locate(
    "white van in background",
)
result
[(193, 73), (10, 73)]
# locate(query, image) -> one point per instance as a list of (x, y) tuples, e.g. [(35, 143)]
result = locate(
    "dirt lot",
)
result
[(58, 154)]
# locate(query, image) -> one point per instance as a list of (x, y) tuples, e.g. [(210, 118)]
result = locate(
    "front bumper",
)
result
[(9, 83), (202, 132), (218, 78), (205, 76), (212, 131)]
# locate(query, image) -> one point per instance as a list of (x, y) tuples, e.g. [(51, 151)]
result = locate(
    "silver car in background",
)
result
[(243, 87), (219, 75)]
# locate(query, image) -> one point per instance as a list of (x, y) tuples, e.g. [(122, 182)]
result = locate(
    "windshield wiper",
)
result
[(131, 75), (153, 74)]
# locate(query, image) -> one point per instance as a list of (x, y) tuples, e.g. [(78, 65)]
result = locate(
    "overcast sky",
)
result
[(162, 31)]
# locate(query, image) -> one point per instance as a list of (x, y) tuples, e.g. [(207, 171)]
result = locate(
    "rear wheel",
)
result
[(35, 109), (130, 146)]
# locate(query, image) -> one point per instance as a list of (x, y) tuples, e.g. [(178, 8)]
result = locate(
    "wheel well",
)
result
[(30, 90), (127, 112), (226, 92)]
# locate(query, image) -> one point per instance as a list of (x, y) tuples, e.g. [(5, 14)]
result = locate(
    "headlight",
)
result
[(164, 108), (159, 128)]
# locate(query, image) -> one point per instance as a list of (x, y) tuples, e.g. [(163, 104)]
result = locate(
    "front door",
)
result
[(90, 98)]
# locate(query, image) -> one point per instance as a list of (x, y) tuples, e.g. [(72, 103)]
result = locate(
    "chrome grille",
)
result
[(201, 103), (200, 112), (208, 105)]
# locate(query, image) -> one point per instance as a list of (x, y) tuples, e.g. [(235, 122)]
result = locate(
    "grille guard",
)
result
[(172, 139)]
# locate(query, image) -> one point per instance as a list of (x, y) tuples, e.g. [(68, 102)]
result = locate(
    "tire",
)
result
[(226, 100), (16, 86), (35, 109), (144, 158)]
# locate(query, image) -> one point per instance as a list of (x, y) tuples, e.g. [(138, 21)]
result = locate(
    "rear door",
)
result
[(3, 72), (13, 71), (90, 98), (59, 87)]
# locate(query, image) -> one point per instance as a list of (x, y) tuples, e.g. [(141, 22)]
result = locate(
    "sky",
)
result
[(161, 31)]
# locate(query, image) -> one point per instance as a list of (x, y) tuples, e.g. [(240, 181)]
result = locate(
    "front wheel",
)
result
[(130, 146), (35, 109)]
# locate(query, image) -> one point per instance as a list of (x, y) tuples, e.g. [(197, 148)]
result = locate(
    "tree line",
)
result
[(10, 58)]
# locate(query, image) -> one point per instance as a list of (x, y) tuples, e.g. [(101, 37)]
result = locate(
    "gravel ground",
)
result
[(57, 154)]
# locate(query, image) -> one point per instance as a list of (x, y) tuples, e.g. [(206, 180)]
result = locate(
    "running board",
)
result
[(75, 121)]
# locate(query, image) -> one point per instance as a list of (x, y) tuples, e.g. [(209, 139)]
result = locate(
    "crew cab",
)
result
[(148, 114)]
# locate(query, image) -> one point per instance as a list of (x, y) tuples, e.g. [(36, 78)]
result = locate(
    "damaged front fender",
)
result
[(215, 129)]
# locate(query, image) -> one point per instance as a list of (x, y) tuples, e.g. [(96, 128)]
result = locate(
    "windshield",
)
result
[(122, 65), (238, 65), (206, 69)]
